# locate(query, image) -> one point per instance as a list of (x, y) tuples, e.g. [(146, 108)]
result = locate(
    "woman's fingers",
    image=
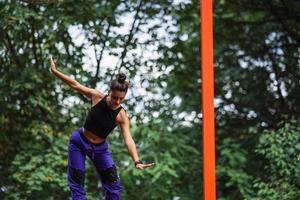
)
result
[(52, 63), (149, 165), (143, 166)]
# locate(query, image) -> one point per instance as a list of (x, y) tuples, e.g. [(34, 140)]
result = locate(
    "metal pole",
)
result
[(209, 178)]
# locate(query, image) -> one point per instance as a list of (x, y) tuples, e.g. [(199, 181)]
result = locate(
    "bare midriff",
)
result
[(91, 137)]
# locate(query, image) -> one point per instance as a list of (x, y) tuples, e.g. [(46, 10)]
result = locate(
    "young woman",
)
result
[(105, 114)]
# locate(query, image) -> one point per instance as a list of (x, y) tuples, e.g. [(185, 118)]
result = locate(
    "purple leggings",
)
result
[(78, 148)]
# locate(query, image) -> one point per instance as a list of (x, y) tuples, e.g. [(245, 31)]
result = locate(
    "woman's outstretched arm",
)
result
[(129, 142), (86, 91)]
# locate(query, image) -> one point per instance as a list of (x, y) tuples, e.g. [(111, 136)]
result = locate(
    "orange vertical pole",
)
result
[(208, 126)]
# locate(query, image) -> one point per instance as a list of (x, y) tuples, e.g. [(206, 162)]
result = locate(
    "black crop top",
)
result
[(101, 119)]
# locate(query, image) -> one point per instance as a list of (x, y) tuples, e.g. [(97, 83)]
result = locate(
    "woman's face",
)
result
[(116, 98)]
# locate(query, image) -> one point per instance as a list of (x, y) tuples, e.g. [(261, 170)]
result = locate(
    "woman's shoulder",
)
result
[(122, 116), (97, 93), (97, 96)]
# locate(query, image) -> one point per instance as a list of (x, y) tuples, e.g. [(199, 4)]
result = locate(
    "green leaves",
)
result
[(41, 165), (255, 87), (280, 149), (231, 170)]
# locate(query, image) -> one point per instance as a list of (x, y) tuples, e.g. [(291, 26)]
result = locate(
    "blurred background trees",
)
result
[(257, 81), (157, 45)]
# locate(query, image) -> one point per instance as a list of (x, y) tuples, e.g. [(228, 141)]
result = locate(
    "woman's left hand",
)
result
[(142, 166), (52, 65)]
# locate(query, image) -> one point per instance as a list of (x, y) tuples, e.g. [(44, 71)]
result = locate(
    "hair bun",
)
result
[(121, 78)]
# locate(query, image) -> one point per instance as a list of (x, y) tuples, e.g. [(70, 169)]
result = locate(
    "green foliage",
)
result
[(231, 170), (41, 165), (281, 151), (176, 163), (256, 88), (38, 112)]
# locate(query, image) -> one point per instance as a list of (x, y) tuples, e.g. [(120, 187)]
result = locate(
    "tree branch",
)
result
[(34, 43), (132, 31), (4, 37)]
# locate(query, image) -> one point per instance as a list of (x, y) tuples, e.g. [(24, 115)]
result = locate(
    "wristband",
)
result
[(137, 162)]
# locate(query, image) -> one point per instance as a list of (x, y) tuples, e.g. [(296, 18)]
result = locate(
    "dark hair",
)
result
[(119, 84)]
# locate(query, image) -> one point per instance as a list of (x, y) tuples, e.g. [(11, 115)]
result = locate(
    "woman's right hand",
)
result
[(52, 65)]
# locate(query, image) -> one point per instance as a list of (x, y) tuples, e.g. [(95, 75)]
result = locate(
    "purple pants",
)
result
[(78, 148)]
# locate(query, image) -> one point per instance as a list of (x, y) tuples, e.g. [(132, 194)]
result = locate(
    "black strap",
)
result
[(137, 162)]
